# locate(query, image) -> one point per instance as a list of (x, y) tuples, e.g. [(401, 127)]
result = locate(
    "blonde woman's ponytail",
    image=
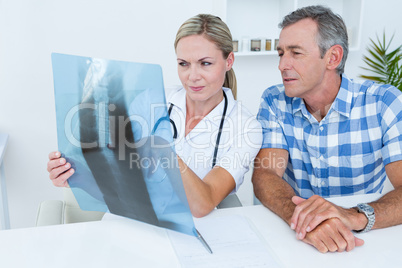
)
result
[(231, 82)]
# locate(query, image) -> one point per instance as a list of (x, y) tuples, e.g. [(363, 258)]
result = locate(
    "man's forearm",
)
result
[(274, 193), (388, 209)]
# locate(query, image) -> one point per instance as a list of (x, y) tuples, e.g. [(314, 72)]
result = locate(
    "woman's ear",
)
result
[(335, 55), (229, 61)]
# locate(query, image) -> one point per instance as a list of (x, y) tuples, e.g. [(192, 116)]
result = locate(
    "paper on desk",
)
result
[(233, 240)]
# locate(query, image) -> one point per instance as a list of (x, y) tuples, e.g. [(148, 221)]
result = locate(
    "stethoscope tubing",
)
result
[(218, 137)]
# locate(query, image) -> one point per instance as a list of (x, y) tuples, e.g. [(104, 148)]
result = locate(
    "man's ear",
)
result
[(334, 56)]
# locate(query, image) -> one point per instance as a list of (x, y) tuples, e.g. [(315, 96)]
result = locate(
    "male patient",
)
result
[(326, 135)]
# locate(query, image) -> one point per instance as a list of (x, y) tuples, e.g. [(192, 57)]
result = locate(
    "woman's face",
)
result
[(201, 67)]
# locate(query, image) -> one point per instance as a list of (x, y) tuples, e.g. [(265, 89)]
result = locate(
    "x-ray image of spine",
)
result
[(124, 189), (113, 127)]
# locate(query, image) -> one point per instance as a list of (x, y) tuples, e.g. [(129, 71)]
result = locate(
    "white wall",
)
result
[(131, 30)]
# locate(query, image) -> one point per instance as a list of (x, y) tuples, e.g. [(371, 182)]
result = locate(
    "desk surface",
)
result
[(128, 243)]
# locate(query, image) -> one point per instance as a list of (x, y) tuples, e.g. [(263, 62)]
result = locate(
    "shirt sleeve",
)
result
[(268, 116), (245, 145), (391, 124)]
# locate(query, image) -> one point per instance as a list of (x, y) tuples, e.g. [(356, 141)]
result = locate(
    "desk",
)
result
[(128, 243), (4, 215)]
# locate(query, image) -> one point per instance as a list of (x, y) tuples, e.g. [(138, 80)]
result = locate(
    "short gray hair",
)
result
[(331, 29)]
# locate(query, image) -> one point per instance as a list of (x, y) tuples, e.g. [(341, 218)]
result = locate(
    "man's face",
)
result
[(302, 68)]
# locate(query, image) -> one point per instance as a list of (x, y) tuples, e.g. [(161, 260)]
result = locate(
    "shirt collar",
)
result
[(297, 104), (179, 99), (299, 108), (343, 101), (215, 115)]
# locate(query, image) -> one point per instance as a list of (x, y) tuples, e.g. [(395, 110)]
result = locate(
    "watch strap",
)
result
[(370, 217)]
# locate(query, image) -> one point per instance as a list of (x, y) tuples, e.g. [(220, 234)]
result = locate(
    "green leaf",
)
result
[(387, 66)]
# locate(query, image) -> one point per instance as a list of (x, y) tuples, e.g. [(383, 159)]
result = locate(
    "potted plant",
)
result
[(386, 66)]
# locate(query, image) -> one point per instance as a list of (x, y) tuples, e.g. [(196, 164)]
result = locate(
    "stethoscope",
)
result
[(218, 137)]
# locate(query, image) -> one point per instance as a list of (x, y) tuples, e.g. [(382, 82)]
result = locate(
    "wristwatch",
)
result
[(369, 212)]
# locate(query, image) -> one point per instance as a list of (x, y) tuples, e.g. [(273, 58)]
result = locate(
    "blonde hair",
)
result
[(216, 31)]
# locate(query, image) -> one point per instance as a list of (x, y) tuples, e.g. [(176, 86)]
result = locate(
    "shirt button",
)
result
[(323, 183), (321, 128)]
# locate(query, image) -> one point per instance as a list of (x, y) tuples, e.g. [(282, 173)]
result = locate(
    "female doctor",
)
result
[(216, 137)]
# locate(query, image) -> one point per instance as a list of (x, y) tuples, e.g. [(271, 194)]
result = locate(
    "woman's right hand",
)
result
[(59, 170)]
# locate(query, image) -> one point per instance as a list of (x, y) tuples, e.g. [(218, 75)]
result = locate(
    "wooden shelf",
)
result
[(258, 19), (256, 53)]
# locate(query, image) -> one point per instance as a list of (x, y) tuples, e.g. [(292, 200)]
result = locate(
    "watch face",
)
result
[(366, 208)]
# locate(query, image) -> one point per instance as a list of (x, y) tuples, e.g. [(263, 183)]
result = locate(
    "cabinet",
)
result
[(259, 19)]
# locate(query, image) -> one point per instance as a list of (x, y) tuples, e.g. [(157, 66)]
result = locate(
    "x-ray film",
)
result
[(114, 129)]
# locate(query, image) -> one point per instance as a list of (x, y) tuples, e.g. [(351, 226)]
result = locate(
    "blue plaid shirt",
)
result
[(346, 152)]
